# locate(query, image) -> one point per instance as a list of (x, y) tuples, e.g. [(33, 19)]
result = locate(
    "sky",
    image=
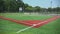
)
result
[(43, 3)]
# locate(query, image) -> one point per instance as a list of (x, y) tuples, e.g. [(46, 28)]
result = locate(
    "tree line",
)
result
[(13, 6)]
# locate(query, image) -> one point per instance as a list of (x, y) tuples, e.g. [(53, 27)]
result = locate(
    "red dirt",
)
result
[(31, 22), (47, 21)]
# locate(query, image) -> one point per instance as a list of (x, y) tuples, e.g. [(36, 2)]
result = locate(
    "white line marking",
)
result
[(30, 27), (34, 25), (25, 29)]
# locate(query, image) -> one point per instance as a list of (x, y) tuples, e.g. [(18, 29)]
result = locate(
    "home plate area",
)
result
[(31, 22)]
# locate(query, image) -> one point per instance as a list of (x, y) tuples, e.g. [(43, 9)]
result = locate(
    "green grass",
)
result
[(23, 16), (8, 27)]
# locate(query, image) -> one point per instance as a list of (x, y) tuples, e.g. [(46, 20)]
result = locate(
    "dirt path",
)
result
[(38, 23)]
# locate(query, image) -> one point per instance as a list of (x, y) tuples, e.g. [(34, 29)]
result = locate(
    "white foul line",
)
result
[(25, 28), (31, 26)]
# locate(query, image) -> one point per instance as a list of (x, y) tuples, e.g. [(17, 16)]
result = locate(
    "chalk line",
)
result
[(34, 25)]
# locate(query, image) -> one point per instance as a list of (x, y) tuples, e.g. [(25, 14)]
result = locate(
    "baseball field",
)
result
[(9, 27)]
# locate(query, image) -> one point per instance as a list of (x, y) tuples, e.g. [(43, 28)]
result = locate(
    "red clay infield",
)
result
[(31, 22)]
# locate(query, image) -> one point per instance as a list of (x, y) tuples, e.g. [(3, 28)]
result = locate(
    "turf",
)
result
[(7, 27), (23, 16)]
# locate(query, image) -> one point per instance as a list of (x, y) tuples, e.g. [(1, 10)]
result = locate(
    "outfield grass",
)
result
[(7, 27), (24, 16)]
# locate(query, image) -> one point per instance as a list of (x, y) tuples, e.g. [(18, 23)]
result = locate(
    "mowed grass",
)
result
[(8, 27), (21, 16)]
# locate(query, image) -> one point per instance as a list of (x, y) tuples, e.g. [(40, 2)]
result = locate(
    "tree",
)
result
[(29, 9), (57, 9), (1, 5), (7, 5), (50, 9), (13, 5), (37, 9)]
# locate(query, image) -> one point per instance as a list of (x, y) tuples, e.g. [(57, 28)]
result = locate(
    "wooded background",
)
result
[(12, 6)]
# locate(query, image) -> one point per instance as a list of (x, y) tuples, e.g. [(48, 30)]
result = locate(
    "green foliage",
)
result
[(37, 8), (1, 5), (13, 6)]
